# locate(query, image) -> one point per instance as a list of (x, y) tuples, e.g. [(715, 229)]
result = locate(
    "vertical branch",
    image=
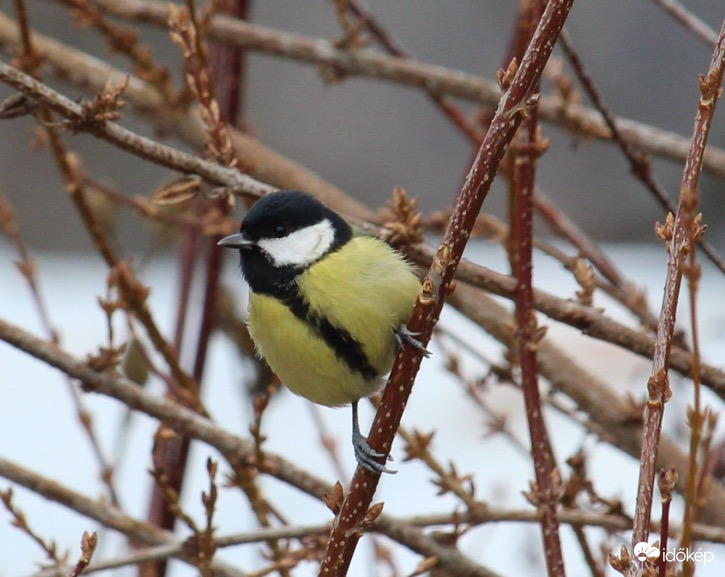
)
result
[(696, 416), (353, 515), (679, 233), (667, 482), (527, 148)]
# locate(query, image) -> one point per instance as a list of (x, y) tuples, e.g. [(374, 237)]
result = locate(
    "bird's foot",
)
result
[(367, 457), (405, 335)]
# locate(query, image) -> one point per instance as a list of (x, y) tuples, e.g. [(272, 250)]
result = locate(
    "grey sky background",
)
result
[(368, 137)]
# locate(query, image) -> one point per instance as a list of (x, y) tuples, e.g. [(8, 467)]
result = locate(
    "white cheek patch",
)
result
[(302, 247)]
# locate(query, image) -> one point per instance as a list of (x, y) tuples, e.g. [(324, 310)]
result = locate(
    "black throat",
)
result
[(264, 276), (281, 284)]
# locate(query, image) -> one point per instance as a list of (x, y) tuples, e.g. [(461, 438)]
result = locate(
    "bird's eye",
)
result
[(279, 231)]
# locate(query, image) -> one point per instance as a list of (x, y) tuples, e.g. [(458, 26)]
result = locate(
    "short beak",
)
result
[(235, 241)]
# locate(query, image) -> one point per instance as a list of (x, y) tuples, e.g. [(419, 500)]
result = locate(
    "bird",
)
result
[(328, 308)]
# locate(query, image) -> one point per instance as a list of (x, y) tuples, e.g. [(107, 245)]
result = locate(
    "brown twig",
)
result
[(88, 546), (666, 482), (21, 523), (678, 237), (176, 549), (448, 480), (354, 511)]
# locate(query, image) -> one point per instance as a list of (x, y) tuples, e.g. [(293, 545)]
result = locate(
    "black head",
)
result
[(283, 234)]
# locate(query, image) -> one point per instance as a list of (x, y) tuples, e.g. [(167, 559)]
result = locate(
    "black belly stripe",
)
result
[(346, 348)]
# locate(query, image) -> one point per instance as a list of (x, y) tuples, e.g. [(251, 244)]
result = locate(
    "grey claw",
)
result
[(366, 456), (405, 335)]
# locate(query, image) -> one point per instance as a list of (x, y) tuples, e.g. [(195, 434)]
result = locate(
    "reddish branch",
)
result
[(511, 110), (678, 235), (528, 146)]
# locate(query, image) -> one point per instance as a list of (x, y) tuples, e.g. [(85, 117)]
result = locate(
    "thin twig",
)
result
[(526, 149), (689, 20)]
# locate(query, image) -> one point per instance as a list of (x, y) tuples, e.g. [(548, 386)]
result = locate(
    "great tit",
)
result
[(327, 309)]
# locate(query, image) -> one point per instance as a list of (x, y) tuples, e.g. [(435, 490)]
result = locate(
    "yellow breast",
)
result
[(366, 290)]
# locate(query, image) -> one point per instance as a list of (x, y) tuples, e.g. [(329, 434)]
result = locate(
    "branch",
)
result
[(678, 235), (526, 149)]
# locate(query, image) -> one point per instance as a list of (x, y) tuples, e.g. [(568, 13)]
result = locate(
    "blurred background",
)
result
[(367, 136)]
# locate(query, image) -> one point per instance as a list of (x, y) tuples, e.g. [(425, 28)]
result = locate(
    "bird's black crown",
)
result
[(281, 213)]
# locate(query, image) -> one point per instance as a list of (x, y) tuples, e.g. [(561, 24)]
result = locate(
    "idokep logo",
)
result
[(644, 552)]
